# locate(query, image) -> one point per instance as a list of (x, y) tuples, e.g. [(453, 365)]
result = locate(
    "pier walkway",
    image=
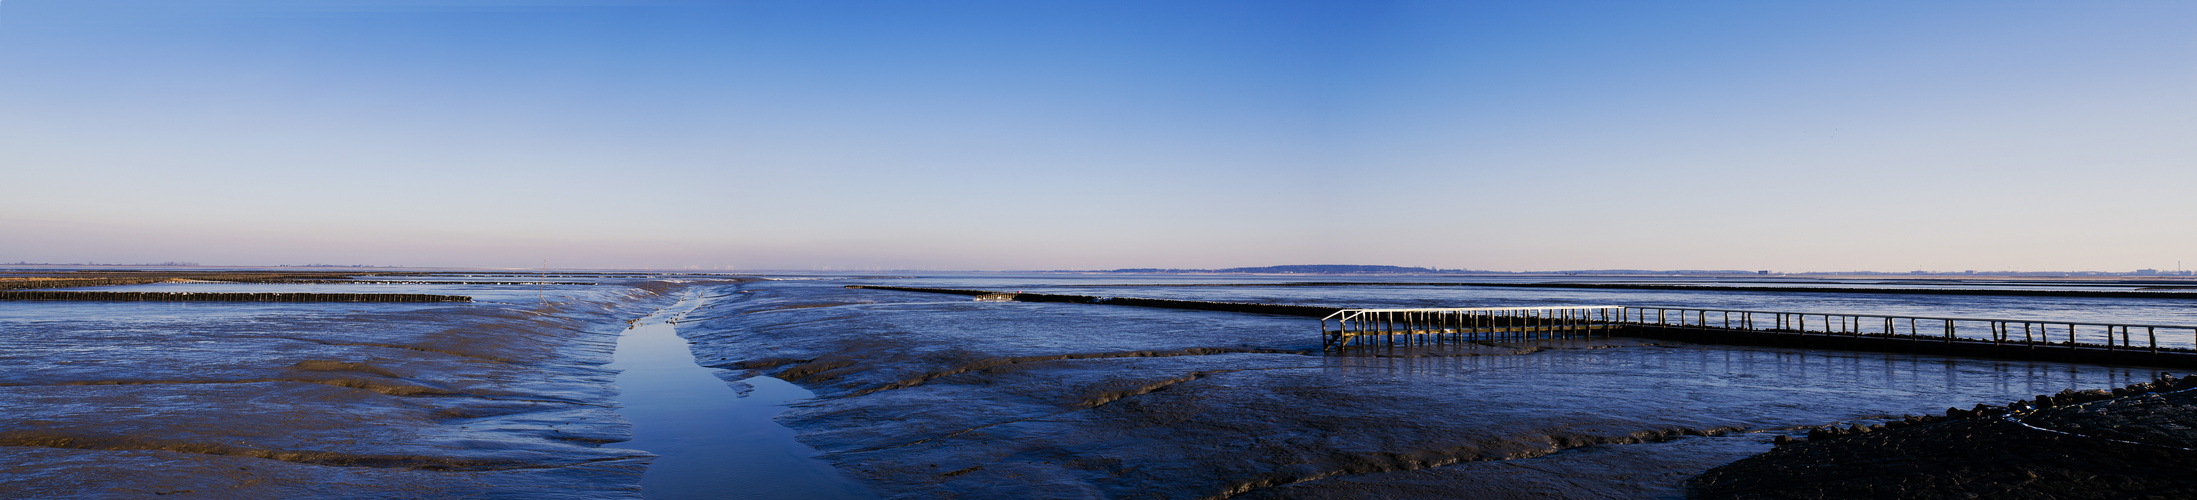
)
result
[(1408, 327), (1349, 329), (2113, 343)]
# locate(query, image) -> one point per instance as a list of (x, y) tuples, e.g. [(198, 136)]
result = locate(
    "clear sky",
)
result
[(896, 134)]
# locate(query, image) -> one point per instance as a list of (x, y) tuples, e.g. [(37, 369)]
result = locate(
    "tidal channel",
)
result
[(711, 440)]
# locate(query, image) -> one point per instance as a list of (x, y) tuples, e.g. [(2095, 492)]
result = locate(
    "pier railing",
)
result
[(1427, 326), (1406, 327), (2000, 332)]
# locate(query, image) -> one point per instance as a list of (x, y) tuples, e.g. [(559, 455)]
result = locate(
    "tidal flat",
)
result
[(504, 396), (914, 395), (923, 395)]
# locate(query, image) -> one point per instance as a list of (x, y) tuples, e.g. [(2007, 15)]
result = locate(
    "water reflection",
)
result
[(1623, 365), (710, 441)]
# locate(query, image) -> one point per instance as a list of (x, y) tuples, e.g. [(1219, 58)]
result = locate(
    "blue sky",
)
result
[(1089, 135)]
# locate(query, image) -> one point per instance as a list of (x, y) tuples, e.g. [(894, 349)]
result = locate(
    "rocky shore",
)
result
[(2138, 441)]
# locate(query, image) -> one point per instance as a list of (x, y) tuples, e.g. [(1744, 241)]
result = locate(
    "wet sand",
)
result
[(921, 397), (911, 395), (504, 397), (711, 440)]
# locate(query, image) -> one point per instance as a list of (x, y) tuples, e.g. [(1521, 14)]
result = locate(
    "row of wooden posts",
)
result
[(2030, 333), (1406, 327), (1411, 327)]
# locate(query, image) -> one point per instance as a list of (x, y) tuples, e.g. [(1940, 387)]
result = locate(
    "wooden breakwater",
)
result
[(2123, 294), (1198, 305), (33, 284), (229, 297)]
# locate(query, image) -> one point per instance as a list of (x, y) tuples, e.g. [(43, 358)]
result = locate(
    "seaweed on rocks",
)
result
[(2135, 441)]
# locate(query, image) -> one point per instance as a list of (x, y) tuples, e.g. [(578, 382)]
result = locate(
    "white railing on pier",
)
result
[(1403, 327), (1421, 326), (1998, 331)]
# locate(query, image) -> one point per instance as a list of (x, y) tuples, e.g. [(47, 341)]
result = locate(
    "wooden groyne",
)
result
[(2123, 294), (229, 297), (1199, 305), (33, 284)]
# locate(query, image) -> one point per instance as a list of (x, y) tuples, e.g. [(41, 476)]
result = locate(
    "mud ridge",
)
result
[(997, 362), (1101, 399), (347, 383), (1093, 401), (1370, 463), (322, 458), (399, 346), (789, 307), (321, 365)]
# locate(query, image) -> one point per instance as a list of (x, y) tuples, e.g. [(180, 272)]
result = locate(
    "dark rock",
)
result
[(2136, 446)]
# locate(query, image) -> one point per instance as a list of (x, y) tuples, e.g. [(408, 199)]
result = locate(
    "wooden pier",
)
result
[(1343, 329), (2030, 339), (2172, 346), (1408, 327)]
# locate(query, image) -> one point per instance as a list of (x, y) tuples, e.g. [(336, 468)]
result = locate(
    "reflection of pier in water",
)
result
[(1583, 359), (2028, 339), (1433, 326), (2151, 345)]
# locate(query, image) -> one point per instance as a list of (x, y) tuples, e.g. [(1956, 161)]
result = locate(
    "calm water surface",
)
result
[(710, 440)]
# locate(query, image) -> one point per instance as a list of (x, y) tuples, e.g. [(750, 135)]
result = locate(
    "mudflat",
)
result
[(500, 397), (926, 395)]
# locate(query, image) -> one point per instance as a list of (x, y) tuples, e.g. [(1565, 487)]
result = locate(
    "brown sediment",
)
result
[(323, 458), (347, 383), (792, 307), (120, 401), (990, 363), (493, 359), (319, 365), (1094, 399)]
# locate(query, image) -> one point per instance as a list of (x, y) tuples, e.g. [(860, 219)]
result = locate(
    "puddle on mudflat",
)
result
[(712, 441), (962, 399)]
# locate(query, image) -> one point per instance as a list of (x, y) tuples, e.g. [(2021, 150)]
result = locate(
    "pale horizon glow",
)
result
[(996, 135)]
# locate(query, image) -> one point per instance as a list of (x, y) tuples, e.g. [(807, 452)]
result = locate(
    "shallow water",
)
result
[(710, 440), (929, 395), (295, 400), (2155, 311)]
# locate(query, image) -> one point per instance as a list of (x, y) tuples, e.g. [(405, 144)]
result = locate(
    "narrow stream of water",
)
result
[(710, 440)]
